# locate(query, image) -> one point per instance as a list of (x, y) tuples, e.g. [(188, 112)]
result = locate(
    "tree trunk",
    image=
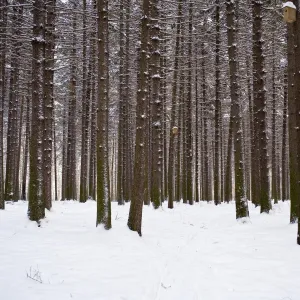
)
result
[(260, 109), (27, 136), (71, 139), (83, 194), (217, 197), (3, 24), (156, 107), (189, 117), (172, 142), (48, 101), (103, 189), (240, 197), (139, 179), (36, 205)]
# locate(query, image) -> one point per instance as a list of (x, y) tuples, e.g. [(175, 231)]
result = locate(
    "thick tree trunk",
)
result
[(36, 205), (172, 142), (48, 101), (93, 125), (139, 179), (156, 109), (293, 159), (83, 193), (240, 197), (122, 107), (103, 189), (260, 109), (71, 138), (12, 126)]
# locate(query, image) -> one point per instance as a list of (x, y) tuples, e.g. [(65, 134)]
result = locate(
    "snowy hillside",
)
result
[(194, 252)]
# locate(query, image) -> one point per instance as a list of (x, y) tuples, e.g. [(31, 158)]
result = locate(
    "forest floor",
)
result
[(195, 252)]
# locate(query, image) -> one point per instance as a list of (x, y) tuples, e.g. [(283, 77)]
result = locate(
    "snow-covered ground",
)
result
[(194, 252)]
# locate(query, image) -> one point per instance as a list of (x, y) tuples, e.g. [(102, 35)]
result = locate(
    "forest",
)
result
[(151, 113), (149, 102)]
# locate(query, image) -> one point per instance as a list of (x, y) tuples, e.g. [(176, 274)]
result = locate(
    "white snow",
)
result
[(289, 4), (195, 252)]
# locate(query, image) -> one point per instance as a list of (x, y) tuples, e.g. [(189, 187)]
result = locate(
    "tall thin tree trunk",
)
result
[(83, 194), (3, 24), (189, 117), (172, 142), (217, 109), (26, 153), (284, 166)]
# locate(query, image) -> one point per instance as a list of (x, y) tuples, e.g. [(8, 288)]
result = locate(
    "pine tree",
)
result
[(103, 189), (36, 205), (139, 177)]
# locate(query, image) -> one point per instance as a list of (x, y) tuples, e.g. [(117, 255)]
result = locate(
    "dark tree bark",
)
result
[(93, 125), (122, 108), (12, 126), (83, 194), (48, 101), (156, 108), (205, 158), (189, 117), (217, 189), (240, 197), (139, 179), (26, 153), (295, 109), (3, 24), (172, 143), (36, 205), (260, 106), (103, 188), (71, 138), (284, 165), (275, 187)]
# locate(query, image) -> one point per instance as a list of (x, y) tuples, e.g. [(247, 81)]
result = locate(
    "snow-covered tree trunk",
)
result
[(71, 179), (3, 23), (173, 124), (83, 193), (103, 188), (26, 149), (189, 117), (139, 176), (156, 108), (260, 109), (122, 107), (93, 125), (217, 187), (284, 161), (240, 197), (13, 98), (36, 204), (48, 101)]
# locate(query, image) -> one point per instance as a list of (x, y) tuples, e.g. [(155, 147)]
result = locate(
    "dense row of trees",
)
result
[(149, 101)]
